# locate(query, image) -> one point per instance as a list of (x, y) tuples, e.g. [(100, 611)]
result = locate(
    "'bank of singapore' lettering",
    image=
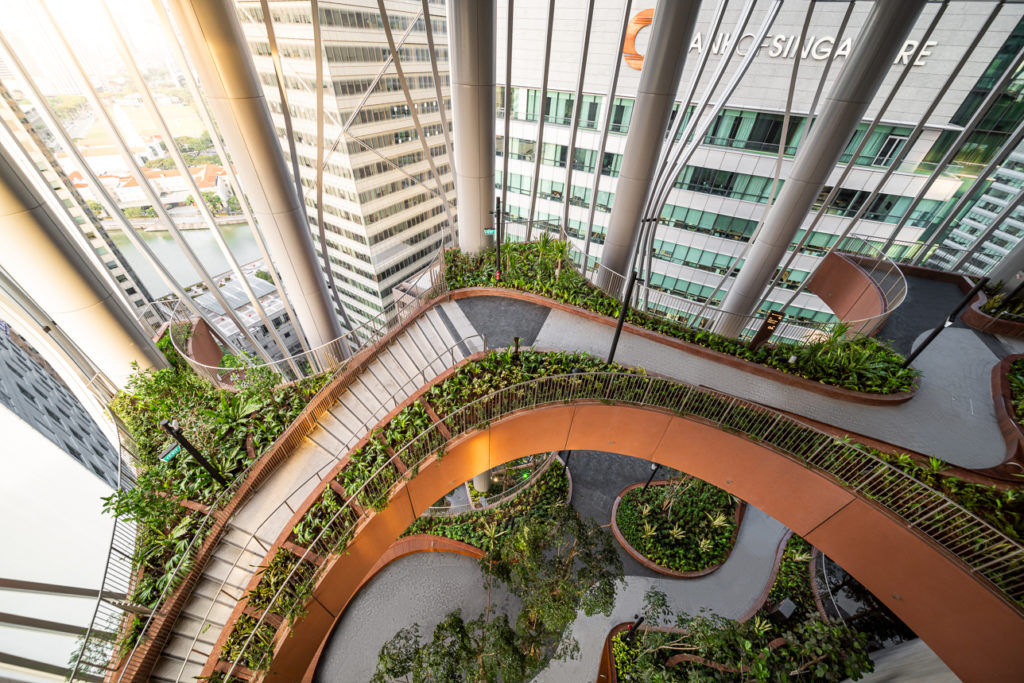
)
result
[(778, 46)]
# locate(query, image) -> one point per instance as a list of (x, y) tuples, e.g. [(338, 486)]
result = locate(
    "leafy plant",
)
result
[(686, 526), (863, 364), (716, 648)]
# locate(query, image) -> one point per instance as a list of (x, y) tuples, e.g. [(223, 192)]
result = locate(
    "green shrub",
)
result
[(685, 526), (863, 364)]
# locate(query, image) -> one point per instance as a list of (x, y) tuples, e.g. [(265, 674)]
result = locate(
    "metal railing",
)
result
[(327, 357), (97, 656), (96, 648), (415, 380), (120, 575), (888, 282), (987, 553)]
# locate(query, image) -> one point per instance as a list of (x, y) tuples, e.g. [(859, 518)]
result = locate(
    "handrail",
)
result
[(326, 357), (205, 525), (891, 284), (114, 616), (985, 551), (113, 574), (363, 428)]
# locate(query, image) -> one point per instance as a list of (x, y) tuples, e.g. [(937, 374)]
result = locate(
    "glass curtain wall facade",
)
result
[(722, 192)]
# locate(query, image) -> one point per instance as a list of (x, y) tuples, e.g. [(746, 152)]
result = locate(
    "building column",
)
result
[(873, 54), (1010, 268), (41, 257), (218, 50), (471, 59), (659, 81)]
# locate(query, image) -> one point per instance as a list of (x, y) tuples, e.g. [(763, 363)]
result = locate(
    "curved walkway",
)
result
[(951, 417), (934, 423), (430, 344), (445, 583)]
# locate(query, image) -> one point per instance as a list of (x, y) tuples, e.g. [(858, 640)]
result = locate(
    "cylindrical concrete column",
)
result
[(482, 482), (659, 80), (471, 62), (1008, 269), (220, 55), (41, 257), (875, 49)]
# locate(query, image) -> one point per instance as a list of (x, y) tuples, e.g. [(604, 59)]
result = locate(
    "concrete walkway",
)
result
[(950, 418), (415, 589), (444, 583)]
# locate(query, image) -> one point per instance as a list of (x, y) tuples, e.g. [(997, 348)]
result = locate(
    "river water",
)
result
[(238, 236)]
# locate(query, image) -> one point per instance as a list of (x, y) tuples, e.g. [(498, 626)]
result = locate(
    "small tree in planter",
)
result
[(556, 565), (710, 647)]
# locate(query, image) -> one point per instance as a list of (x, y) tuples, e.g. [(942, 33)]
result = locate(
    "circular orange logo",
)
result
[(641, 20)]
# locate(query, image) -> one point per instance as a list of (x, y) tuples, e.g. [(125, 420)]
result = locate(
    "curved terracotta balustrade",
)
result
[(849, 291), (974, 631)]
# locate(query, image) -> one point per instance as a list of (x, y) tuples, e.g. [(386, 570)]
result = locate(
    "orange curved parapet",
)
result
[(975, 632), (641, 19), (848, 291)]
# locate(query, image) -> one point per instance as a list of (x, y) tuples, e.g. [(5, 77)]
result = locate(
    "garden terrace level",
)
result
[(560, 326), (889, 531)]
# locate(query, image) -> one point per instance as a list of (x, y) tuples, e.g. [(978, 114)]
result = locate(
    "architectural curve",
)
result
[(973, 630)]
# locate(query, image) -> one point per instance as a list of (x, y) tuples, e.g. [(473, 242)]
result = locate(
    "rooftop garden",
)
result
[(543, 267), (170, 498), (768, 647), (685, 525), (397, 448)]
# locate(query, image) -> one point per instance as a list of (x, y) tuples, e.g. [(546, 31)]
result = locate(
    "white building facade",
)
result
[(724, 190)]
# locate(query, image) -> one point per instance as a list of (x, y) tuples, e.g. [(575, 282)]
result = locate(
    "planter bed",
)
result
[(1008, 403), (704, 519), (477, 377), (553, 487), (544, 268), (793, 640)]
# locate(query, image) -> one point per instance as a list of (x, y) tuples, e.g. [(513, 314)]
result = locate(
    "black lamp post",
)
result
[(633, 628), (628, 296), (947, 322), (175, 433), (654, 470)]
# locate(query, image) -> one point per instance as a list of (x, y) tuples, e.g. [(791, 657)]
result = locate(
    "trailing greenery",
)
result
[(1003, 508), (502, 369), (476, 379), (719, 649), (793, 580), (258, 654), (686, 526), (1016, 378), (544, 268), (557, 564), (480, 528), (219, 424)]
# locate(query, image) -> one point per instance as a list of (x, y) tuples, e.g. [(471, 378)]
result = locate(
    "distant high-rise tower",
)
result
[(383, 215), (22, 125)]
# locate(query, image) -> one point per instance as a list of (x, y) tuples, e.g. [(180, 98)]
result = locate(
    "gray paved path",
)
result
[(950, 418), (444, 582), (420, 588)]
